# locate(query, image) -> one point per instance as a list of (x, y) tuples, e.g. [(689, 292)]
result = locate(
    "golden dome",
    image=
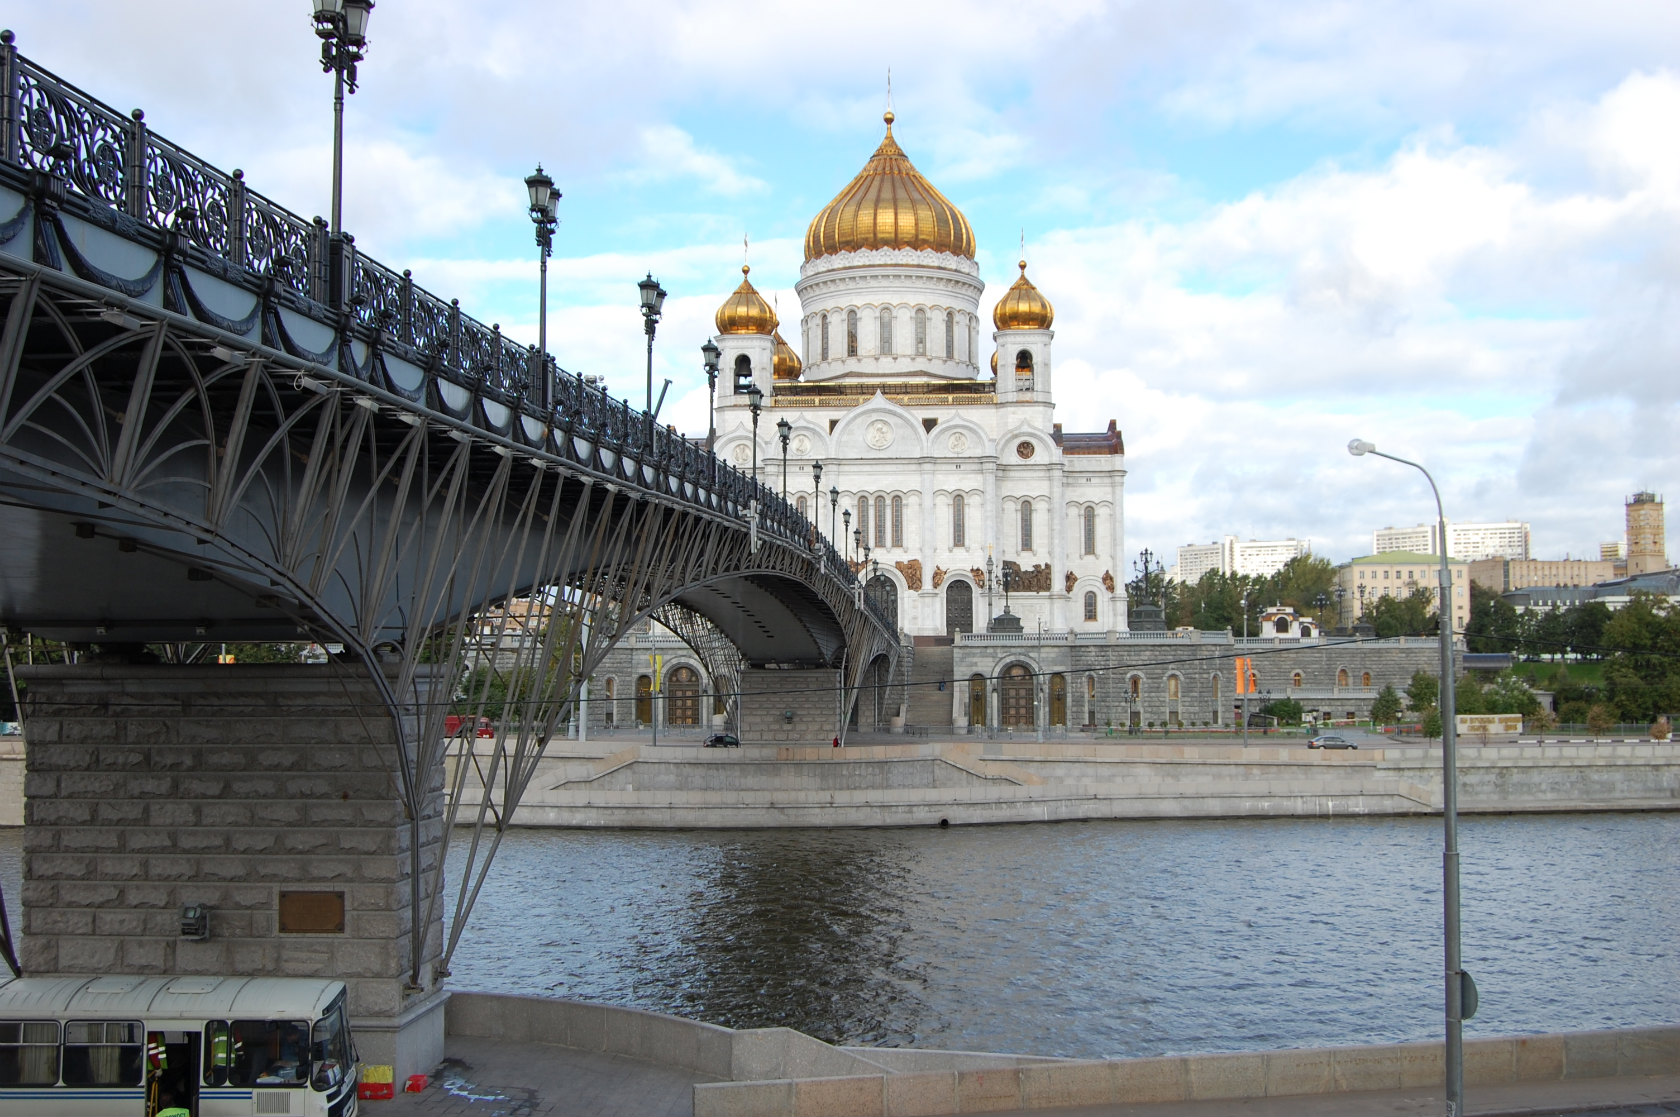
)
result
[(1022, 307), (994, 362), (745, 311), (785, 364), (889, 205)]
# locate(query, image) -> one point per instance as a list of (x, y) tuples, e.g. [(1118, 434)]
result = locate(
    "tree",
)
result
[(1286, 710), (1432, 723), (1508, 694), (1494, 625), (1583, 626), (1642, 677), (1403, 616), (1600, 720), (1423, 691), (1385, 707), (1299, 583)]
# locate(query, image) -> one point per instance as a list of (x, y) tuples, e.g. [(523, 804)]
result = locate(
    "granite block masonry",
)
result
[(268, 794)]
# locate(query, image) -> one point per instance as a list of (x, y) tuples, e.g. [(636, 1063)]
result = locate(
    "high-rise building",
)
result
[(1646, 549), (1257, 558), (1469, 542)]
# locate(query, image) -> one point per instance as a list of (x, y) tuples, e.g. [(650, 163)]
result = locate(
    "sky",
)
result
[(1450, 227)]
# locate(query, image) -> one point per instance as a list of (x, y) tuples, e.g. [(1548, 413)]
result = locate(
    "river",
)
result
[(1095, 938)]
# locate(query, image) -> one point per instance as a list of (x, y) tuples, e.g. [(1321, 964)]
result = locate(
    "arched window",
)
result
[(1091, 701), (743, 373), (1026, 525), (1172, 688), (1342, 677), (950, 335), (1216, 714), (1134, 707), (880, 521), (1058, 700), (898, 521), (851, 333), (1365, 679), (1089, 526), (863, 519), (825, 337), (1015, 696), (612, 689), (1136, 685), (1281, 625), (921, 333), (959, 530), (977, 699), (886, 330), (1174, 716), (1090, 605), (1295, 679), (1023, 371), (800, 505)]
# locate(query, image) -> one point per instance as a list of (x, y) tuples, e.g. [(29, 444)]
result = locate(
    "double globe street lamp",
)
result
[(1461, 996)]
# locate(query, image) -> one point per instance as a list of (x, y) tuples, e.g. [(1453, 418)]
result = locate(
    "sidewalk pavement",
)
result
[(492, 1078)]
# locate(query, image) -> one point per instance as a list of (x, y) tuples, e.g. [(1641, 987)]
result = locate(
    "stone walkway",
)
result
[(487, 1078)]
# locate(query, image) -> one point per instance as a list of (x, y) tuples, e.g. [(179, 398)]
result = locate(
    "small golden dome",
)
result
[(889, 205), (745, 311), (1022, 307), (785, 364)]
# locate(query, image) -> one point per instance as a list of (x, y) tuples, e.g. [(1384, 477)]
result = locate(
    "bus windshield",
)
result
[(269, 1053), (329, 1047)]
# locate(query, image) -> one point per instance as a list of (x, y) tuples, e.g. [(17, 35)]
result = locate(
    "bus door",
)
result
[(172, 1073)]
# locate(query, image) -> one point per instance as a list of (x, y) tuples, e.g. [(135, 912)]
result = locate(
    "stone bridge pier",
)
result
[(267, 794)]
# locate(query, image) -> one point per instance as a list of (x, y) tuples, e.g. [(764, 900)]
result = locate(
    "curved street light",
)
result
[(1461, 996)]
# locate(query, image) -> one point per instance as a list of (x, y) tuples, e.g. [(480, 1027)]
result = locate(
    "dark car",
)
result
[(1330, 741), (723, 741)]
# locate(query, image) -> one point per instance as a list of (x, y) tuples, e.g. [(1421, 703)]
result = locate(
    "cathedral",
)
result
[(944, 477)]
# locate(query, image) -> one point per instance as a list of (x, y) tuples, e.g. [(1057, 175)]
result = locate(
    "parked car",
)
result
[(1330, 741), (723, 741)]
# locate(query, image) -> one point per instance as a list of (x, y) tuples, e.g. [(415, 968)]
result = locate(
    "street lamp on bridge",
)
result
[(816, 502), (710, 353), (783, 430), (1461, 995), (833, 507), (543, 199), (342, 26), (653, 303)]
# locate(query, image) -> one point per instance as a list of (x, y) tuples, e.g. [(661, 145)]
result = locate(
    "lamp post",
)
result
[(846, 540), (342, 26), (1322, 603), (1341, 616), (709, 352), (816, 501), (1242, 665), (755, 401), (653, 303), (833, 507), (543, 199), (988, 587), (1460, 987), (783, 430)]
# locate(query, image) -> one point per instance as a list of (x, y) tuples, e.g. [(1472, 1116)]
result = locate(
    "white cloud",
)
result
[(668, 152)]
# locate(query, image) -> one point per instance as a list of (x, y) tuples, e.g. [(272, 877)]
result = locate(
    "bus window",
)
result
[(269, 1053), (329, 1049), (218, 1053), (103, 1053), (28, 1052)]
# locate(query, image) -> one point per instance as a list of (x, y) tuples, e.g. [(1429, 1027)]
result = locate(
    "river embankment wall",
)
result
[(784, 1072), (969, 781)]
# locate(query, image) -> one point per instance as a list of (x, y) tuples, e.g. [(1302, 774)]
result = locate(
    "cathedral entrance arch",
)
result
[(1015, 697), (959, 608), (885, 596)]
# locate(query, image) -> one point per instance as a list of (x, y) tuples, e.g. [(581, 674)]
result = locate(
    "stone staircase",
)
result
[(930, 707)]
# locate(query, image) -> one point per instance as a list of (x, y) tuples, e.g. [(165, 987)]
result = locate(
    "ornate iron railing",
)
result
[(116, 161)]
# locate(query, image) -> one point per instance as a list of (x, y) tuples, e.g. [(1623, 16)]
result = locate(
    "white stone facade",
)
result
[(1470, 542)]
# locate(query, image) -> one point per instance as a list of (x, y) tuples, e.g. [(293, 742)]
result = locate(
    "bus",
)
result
[(203, 1046)]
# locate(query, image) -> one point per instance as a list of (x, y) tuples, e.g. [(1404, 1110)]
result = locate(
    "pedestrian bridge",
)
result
[(219, 422)]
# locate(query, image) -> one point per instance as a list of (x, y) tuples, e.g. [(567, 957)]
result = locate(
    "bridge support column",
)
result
[(791, 707), (268, 794)]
